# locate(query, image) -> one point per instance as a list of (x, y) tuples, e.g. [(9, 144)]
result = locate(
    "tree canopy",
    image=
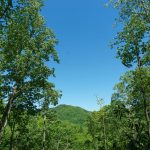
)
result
[(26, 44)]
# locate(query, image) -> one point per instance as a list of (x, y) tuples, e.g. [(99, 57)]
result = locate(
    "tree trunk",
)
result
[(105, 138), (142, 90), (6, 113), (95, 146), (67, 145), (44, 134), (58, 143), (146, 113), (5, 116), (12, 137)]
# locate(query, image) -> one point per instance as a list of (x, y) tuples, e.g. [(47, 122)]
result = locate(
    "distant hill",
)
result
[(73, 114)]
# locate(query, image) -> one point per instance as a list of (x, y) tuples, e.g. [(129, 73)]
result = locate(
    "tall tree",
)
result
[(25, 45), (128, 93), (133, 48), (100, 102)]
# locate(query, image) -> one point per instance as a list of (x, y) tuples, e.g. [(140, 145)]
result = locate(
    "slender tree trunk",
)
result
[(11, 137), (7, 111), (58, 143), (95, 146), (44, 134), (105, 138), (142, 90), (146, 113), (5, 116), (67, 145)]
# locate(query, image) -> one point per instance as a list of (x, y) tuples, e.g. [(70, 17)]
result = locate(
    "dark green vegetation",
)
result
[(43, 131), (72, 114), (26, 44), (125, 123)]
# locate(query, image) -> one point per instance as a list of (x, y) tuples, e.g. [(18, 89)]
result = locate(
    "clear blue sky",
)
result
[(88, 67)]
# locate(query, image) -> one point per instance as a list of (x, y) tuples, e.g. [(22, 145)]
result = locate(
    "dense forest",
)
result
[(27, 122)]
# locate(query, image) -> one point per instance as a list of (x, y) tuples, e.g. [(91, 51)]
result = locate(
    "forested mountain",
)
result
[(73, 114)]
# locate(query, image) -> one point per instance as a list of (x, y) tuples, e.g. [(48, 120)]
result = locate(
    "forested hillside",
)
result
[(72, 114), (26, 120)]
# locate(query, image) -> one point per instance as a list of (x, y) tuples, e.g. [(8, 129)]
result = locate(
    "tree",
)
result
[(133, 48), (100, 102), (127, 105), (25, 45), (133, 41)]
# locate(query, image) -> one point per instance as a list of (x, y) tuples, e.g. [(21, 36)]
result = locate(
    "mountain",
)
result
[(72, 114)]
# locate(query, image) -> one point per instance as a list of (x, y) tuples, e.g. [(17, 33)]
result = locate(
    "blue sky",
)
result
[(88, 67)]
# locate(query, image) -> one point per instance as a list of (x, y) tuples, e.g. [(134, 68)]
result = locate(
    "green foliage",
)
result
[(125, 123), (72, 114), (26, 44), (5, 8), (133, 41), (27, 133)]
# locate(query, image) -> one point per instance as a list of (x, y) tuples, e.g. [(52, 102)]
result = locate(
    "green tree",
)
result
[(125, 123), (133, 49), (128, 93), (25, 45)]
